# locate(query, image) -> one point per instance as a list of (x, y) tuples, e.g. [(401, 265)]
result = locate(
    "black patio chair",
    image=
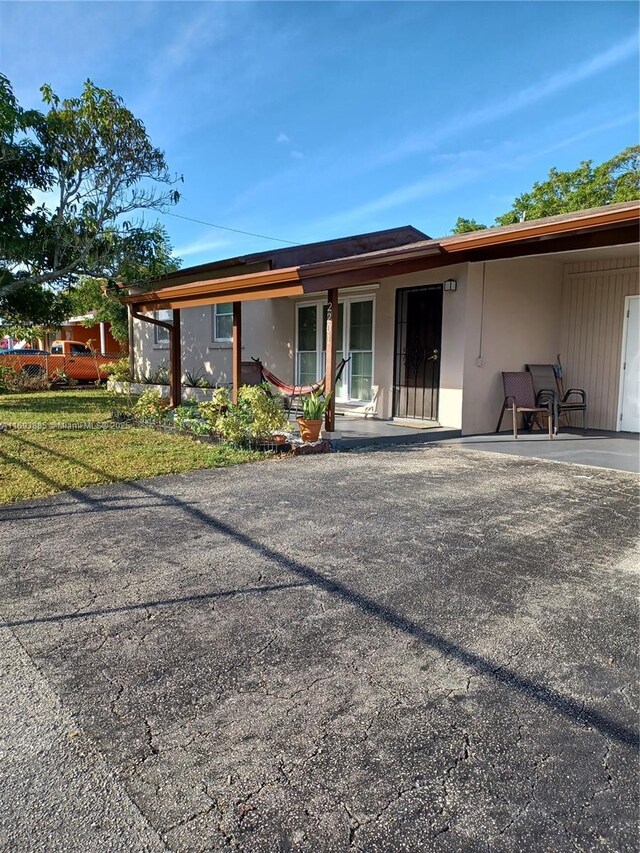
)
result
[(520, 397), (545, 383)]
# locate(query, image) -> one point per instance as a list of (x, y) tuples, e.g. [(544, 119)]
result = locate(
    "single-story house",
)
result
[(428, 325)]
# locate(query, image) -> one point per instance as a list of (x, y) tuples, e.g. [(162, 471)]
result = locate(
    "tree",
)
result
[(94, 159), (615, 180), (464, 226), (95, 296), (31, 310)]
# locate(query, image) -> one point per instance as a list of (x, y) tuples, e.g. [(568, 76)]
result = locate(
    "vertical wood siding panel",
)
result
[(593, 296)]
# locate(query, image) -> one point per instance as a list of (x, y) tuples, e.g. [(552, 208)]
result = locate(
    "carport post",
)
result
[(330, 375), (237, 350), (175, 361)]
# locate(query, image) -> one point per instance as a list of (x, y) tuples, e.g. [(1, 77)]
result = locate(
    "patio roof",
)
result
[(210, 283)]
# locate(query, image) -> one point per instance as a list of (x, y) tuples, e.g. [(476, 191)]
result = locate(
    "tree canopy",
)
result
[(75, 183), (615, 180)]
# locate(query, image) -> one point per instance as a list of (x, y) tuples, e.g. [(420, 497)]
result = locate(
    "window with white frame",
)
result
[(222, 322), (354, 336), (160, 334)]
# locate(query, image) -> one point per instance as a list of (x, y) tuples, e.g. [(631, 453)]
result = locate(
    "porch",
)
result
[(517, 295), (616, 451)]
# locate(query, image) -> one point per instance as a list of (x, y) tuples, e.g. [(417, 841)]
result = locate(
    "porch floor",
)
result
[(365, 432), (618, 451)]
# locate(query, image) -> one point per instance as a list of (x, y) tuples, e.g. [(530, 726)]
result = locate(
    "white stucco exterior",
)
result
[(503, 315)]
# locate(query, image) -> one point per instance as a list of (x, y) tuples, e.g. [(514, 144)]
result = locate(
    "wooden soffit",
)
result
[(262, 285)]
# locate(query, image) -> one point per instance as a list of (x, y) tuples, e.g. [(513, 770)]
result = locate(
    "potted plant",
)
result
[(313, 408)]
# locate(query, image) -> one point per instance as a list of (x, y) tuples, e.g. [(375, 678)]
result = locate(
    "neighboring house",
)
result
[(99, 335), (428, 324)]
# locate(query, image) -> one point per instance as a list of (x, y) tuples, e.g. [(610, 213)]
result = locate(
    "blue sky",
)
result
[(307, 121)]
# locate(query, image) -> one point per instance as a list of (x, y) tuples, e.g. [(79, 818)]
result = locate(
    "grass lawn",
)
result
[(76, 406), (37, 463)]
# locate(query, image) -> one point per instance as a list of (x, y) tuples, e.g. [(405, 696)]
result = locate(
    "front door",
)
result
[(416, 380), (630, 394)]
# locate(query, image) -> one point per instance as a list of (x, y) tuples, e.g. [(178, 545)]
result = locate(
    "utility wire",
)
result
[(226, 228)]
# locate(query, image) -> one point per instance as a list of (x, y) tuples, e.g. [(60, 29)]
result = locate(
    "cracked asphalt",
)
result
[(420, 649)]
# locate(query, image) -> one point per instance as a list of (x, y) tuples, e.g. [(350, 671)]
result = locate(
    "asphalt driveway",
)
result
[(426, 649)]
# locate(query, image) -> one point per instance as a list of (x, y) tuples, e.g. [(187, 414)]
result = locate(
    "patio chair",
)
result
[(545, 383), (520, 397), (250, 373)]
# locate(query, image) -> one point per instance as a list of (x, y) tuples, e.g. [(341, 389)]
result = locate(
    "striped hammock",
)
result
[(299, 390)]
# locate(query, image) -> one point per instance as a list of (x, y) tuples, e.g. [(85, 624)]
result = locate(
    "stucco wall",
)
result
[(267, 333), (453, 345), (512, 319)]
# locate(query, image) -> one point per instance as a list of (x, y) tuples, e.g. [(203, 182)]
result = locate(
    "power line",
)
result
[(226, 228)]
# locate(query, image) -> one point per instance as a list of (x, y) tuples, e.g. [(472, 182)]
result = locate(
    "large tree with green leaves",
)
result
[(94, 296), (615, 180), (75, 183)]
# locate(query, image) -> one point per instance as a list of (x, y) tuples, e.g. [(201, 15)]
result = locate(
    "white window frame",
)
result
[(214, 316), (346, 302), (160, 334)]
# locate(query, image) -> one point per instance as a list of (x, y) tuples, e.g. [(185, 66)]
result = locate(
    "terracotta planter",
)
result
[(309, 430)]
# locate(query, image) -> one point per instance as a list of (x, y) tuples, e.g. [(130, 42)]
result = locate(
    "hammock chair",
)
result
[(293, 391)]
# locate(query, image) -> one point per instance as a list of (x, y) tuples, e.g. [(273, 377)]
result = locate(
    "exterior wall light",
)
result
[(451, 284)]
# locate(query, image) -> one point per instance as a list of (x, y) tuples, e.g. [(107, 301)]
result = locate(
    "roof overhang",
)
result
[(608, 226)]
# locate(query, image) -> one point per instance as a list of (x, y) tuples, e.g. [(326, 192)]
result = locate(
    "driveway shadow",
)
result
[(559, 703)]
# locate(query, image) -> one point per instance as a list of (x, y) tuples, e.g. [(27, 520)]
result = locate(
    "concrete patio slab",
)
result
[(615, 450), (425, 648)]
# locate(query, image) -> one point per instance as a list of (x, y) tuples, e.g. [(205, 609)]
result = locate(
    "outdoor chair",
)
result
[(250, 373), (520, 397), (547, 388)]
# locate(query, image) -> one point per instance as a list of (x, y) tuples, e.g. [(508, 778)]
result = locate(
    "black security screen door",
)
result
[(416, 380)]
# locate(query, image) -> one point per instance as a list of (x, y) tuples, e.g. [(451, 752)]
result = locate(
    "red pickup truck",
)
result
[(70, 359)]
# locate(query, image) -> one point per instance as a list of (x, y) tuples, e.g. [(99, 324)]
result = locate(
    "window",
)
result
[(223, 322), (79, 349), (160, 334), (354, 336)]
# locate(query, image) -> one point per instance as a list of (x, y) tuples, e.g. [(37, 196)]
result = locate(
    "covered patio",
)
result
[(616, 451), (524, 293)]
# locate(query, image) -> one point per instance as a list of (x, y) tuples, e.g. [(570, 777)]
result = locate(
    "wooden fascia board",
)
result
[(551, 244), (605, 219), (364, 275), (238, 295), (255, 286)]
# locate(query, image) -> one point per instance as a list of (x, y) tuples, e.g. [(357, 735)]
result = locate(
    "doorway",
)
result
[(416, 374), (629, 419)]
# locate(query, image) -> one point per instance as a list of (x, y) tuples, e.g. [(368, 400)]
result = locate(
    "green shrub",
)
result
[(186, 416), (211, 410), (256, 416), (5, 379), (161, 375), (22, 381), (119, 370), (151, 406)]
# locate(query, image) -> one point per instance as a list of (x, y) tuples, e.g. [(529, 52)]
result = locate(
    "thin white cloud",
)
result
[(506, 156), (538, 91), (282, 137), (297, 155), (204, 244)]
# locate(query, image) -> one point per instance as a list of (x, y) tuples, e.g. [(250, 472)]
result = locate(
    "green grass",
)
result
[(35, 463), (77, 406)]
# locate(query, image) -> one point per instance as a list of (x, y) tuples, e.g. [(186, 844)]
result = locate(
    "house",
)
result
[(98, 335), (428, 325)]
